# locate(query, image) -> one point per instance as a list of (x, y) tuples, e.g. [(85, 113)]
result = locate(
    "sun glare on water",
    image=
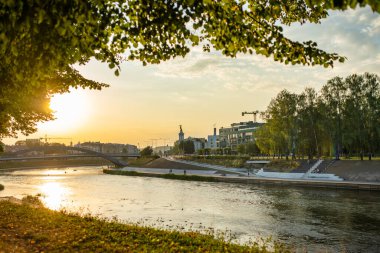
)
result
[(53, 194)]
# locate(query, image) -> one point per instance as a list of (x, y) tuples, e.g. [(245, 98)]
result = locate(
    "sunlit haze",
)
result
[(71, 111), (145, 105)]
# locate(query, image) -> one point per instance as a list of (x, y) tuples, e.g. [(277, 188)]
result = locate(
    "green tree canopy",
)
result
[(187, 147), (40, 40), (344, 117), (147, 151)]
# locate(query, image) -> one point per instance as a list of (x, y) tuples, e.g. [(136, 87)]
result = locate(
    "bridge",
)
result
[(20, 155)]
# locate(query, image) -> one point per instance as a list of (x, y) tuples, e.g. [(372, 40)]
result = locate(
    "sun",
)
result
[(70, 111)]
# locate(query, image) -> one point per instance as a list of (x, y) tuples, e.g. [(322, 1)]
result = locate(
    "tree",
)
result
[(344, 117), (187, 146), (264, 140), (333, 96), (184, 147), (147, 151), (241, 149), (251, 148), (282, 121), (361, 111), (309, 125), (41, 40)]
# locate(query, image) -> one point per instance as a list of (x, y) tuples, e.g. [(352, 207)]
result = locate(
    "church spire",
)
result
[(181, 135)]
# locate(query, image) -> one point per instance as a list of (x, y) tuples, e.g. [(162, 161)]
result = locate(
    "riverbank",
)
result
[(26, 226), (163, 163), (237, 161), (349, 170), (160, 175), (356, 170), (254, 180), (54, 163)]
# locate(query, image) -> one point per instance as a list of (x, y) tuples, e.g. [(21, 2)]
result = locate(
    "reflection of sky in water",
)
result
[(312, 219)]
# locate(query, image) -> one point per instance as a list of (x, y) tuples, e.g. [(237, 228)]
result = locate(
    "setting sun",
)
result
[(70, 111)]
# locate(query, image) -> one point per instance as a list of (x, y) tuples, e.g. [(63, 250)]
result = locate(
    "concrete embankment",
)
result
[(356, 170), (255, 180)]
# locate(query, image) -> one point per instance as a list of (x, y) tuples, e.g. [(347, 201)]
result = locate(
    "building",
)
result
[(162, 150), (199, 143), (111, 148), (33, 142), (131, 149), (181, 134), (212, 141), (238, 133), (94, 146)]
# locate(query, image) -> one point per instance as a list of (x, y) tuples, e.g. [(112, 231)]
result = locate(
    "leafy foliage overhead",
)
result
[(41, 40)]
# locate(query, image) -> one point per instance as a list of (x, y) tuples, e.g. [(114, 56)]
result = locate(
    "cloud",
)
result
[(352, 33)]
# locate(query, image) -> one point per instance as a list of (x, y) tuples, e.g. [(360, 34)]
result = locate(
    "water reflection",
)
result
[(310, 220), (53, 172), (53, 194)]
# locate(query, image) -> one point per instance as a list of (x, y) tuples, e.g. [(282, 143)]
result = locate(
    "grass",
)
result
[(29, 227), (282, 165), (140, 161), (239, 162), (357, 158), (228, 161), (165, 176)]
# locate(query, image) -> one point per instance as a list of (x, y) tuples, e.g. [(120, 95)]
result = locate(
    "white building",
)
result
[(212, 141), (161, 150), (113, 148)]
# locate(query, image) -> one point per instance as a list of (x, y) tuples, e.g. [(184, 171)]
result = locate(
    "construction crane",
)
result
[(46, 138), (154, 141), (254, 115)]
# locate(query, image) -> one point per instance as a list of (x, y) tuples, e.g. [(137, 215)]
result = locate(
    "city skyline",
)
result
[(204, 89)]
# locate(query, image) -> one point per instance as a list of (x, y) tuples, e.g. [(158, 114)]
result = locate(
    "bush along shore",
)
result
[(166, 176), (26, 226), (222, 160)]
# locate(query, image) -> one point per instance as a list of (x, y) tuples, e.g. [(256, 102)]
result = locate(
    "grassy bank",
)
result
[(26, 228), (223, 160), (236, 161), (282, 165), (165, 176), (54, 163), (140, 161)]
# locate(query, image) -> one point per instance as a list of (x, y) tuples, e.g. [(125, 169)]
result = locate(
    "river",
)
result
[(310, 220)]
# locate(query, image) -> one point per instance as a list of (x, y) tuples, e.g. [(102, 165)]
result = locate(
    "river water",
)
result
[(309, 220)]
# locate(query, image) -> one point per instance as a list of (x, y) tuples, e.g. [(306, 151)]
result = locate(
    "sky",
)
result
[(146, 104)]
